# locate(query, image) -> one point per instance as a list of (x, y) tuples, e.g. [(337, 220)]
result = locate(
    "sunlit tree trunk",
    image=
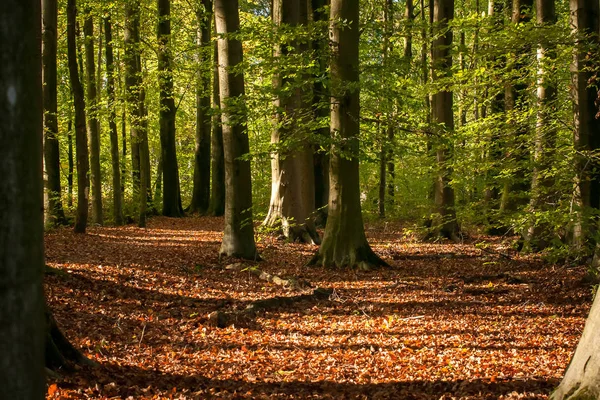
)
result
[(21, 202), (344, 242), (81, 146), (54, 213), (292, 198), (445, 222), (112, 122), (537, 234), (201, 190), (238, 238), (93, 124)]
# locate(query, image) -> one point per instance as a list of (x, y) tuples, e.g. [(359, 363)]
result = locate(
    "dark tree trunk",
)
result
[(445, 223), (54, 213), (201, 190), (21, 202), (321, 113), (292, 197), (71, 162), (344, 241), (538, 235), (584, 19), (112, 121), (582, 378), (83, 165), (238, 238), (217, 194), (171, 193), (93, 125)]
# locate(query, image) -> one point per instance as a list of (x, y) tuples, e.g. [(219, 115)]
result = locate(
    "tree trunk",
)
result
[(217, 194), (54, 213), (344, 241), (71, 161), (321, 112), (201, 190), (171, 193), (112, 121), (293, 197), (538, 235), (445, 222), (582, 378), (21, 202), (93, 125), (584, 19), (238, 238), (83, 166)]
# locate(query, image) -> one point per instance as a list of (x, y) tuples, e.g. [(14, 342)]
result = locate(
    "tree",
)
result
[(238, 238), (443, 118), (292, 197), (21, 202), (582, 378), (202, 154), (112, 121), (52, 196), (93, 124), (217, 161), (83, 166), (344, 242), (170, 171)]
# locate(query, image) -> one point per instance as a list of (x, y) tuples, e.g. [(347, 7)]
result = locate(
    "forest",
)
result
[(362, 199)]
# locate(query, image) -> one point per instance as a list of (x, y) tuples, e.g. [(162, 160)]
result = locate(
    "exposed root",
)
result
[(293, 283), (362, 258)]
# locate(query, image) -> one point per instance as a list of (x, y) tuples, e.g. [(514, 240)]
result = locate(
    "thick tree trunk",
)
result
[(538, 235), (83, 165), (171, 193), (21, 202), (112, 122), (93, 125), (238, 238), (582, 378), (321, 113), (201, 190), (584, 19), (344, 241), (217, 163), (54, 213), (292, 198), (445, 222)]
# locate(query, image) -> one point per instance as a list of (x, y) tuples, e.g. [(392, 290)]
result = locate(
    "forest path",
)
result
[(447, 321)]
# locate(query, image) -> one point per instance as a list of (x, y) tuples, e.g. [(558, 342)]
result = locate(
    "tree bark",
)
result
[(54, 213), (93, 125), (538, 235), (344, 242), (584, 20), (21, 202), (238, 238), (201, 190), (582, 378), (171, 193), (217, 191), (81, 146), (445, 223), (112, 122), (292, 197)]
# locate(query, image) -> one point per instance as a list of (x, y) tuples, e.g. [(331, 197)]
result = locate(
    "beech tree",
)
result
[(292, 193), (52, 196), (344, 242), (238, 237), (21, 202)]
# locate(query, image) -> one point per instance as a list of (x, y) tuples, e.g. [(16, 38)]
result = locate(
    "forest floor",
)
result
[(446, 321)]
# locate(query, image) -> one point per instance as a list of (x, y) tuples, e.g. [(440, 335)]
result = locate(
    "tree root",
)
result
[(362, 258), (291, 282), (223, 319)]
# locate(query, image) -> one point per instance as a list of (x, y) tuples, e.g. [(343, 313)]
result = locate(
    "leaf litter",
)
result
[(447, 321)]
